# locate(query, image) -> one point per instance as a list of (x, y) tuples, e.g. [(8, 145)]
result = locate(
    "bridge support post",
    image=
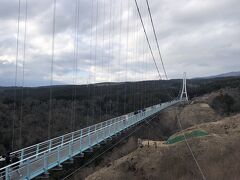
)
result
[(69, 161), (81, 155), (43, 176), (58, 168), (90, 150)]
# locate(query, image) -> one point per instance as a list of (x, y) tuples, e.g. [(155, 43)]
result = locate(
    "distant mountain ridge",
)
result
[(229, 74)]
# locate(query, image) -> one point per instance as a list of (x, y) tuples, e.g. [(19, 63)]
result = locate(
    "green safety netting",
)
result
[(178, 138)]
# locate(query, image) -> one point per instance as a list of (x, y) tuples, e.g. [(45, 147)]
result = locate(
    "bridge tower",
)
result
[(184, 89)]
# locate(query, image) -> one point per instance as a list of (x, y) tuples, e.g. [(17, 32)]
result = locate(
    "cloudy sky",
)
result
[(201, 37)]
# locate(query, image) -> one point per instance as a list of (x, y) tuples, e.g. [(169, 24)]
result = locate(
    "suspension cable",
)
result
[(142, 81), (109, 56), (134, 57), (158, 47), (73, 74), (112, 52), (95, 60), (52, 63), (75, 67), (119, 55), (156, 39), (91, 62), (16, 74), (23, 73), (126, 61), (149, 45), (103, 51), (190, 149)]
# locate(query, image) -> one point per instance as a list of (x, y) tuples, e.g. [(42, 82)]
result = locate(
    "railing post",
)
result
[(95, 130), (101, 130), (105, 130), (115, 126), (109, 128), (62, 140), (22, 154), (70, 153), (37, 150), (80, 139), (50, 145), (72, 136), (89, 139)]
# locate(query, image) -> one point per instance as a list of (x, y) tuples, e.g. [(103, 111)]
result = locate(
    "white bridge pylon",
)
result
[(184, 89)]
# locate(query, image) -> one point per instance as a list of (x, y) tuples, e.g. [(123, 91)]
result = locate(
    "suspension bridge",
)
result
[(40, 158)]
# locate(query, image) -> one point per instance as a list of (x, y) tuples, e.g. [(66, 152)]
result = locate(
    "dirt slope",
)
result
[(160, 128), (218, 155)]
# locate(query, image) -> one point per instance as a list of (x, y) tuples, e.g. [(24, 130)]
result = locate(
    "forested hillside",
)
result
[(91, 104)]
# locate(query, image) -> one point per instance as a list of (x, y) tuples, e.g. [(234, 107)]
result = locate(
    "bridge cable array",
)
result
[(75, 65), (149, 45), (156, 39), (170, 93), (13, 138)]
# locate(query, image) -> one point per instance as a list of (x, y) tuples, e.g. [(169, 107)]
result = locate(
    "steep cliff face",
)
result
[(217, 154)]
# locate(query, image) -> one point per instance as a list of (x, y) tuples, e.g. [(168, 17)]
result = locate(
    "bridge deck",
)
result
[(39, 158)]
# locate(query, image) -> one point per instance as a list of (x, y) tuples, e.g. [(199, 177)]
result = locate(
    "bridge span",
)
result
[(39, 158)]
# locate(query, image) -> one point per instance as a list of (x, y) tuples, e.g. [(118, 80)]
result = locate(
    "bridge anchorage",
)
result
[(37, 159)]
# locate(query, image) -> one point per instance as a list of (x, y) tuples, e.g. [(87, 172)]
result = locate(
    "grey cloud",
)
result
[(199, 37)]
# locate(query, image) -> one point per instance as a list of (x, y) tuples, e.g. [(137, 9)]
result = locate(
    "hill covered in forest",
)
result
[(75, 107)]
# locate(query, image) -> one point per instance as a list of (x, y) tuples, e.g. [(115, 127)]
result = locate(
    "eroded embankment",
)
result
[(217, 153), (159, 128)]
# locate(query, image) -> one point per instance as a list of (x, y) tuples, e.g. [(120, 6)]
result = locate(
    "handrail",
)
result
[(51, 148), (48, 141)]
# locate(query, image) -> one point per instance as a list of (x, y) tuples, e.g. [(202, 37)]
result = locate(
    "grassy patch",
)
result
[(196, 133)]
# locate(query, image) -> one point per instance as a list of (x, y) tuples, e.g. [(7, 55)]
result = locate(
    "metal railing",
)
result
[(39, 158)]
